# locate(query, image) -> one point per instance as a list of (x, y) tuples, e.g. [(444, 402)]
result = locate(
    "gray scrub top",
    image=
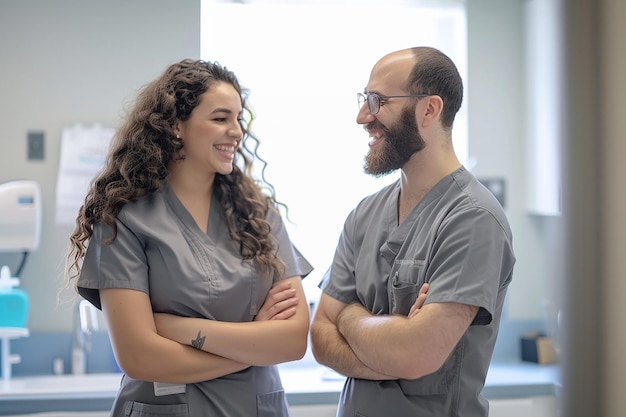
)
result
[(459, 241), (161, 251)]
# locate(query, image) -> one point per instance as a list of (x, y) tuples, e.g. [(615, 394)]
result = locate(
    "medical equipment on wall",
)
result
[(20, 216), (20, 230)]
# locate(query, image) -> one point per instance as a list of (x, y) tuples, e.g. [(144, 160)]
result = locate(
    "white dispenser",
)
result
[(20, 216)]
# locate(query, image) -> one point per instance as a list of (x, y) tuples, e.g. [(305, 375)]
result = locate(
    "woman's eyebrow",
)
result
[(222, 110), (225, 110)]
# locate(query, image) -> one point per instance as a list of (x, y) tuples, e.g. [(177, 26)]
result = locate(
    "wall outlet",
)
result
[(35, 146)]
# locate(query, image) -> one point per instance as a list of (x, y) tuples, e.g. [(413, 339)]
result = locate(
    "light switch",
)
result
[(35, 146)]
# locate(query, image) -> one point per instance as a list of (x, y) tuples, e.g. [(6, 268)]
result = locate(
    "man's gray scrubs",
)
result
[(161, 251), (457, 239)]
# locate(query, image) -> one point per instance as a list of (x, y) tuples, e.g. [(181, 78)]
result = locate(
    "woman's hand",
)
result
[(417, 305), (280, 303)]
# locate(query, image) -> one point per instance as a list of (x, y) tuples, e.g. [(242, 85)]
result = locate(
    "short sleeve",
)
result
[(120, 264), (339, 280), (295, 263), (472, 262)]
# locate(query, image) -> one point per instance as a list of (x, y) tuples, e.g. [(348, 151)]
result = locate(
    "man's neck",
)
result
[(420, 175)]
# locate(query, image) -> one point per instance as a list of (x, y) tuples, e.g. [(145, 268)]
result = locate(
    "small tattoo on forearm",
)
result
[(198, 342)]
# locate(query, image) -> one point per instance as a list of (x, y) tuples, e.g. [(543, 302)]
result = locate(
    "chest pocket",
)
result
[(404, 286)]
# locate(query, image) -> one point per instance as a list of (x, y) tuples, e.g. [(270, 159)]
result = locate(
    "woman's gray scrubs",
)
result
[(458, 239), (161, 251)]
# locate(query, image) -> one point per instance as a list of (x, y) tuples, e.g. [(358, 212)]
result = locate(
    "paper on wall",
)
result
[(83, 154)]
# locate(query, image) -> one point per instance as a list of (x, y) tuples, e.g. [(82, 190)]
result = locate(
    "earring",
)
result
[(177, 136)]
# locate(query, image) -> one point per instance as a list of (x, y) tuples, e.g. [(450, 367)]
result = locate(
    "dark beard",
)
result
[(401, 141)]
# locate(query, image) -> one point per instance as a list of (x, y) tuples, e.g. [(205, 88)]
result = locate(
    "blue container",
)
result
[(14, 306), (14, 302)]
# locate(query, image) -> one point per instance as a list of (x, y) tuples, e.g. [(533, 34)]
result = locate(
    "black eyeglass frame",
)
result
[(373, 100)]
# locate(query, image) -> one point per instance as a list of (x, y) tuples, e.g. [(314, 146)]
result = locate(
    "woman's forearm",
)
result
[(278, 334), (261, 343), (184, 365), (143, 354)]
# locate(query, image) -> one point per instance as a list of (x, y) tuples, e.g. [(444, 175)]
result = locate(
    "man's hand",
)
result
[(355, 310), (280, 303), (421, 298)]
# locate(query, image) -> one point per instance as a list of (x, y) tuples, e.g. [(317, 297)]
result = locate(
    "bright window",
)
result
[(304, 62)]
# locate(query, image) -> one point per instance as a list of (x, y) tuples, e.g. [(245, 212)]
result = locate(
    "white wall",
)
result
[(498, 137), (70, 61)]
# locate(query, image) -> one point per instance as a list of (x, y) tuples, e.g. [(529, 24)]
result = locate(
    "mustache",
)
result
[(375, 125)]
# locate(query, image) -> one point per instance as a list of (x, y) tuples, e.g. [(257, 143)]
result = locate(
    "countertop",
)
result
[(304, 385), (512, 379)]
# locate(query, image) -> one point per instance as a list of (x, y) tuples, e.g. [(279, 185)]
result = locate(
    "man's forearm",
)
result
[(333, 351), (365, 335)]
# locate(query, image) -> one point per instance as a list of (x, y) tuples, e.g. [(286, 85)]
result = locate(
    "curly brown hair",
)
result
[(146, 143)]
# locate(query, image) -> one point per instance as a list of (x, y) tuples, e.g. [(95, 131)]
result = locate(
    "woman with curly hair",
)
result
[(187, 255)]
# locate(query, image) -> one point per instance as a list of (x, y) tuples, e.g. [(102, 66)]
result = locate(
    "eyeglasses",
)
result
[(374, 100)]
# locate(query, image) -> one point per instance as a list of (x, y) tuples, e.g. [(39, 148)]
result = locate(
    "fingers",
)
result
[(285, 314), (280, 303), (415, 309), (283, 309), (280, 292), (421, 298)]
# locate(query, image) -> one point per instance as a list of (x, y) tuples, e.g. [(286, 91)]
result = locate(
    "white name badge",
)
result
[(162, 388)]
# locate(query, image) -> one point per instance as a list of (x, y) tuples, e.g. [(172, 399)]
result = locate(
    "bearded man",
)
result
[(411, 304)]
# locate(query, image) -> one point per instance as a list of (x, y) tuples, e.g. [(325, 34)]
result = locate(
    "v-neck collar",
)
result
[(399, 232), (187, 219)]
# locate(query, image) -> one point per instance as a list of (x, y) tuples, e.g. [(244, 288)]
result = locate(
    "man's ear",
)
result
[(431, 110)]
